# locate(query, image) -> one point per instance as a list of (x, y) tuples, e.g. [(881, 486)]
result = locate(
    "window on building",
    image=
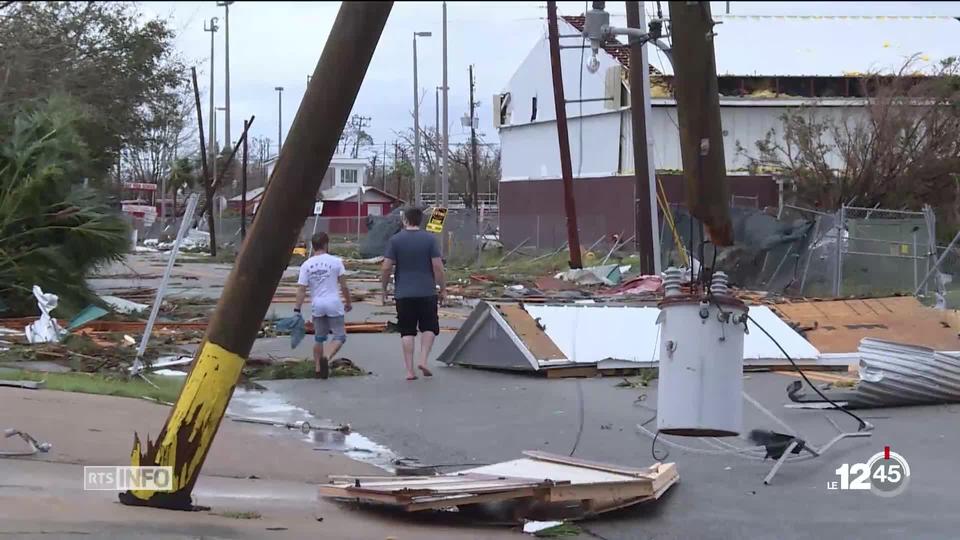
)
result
[(374, 210), (348, 176)]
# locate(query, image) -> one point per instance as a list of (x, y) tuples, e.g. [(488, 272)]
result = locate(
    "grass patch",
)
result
[(517, 268), (92, 383), (237, 515)]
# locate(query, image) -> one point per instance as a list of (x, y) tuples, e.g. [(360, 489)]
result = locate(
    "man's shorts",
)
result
[(419, 312), (324, 326)]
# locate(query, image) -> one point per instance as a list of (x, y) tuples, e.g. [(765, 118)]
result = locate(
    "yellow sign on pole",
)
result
[(435, 225)]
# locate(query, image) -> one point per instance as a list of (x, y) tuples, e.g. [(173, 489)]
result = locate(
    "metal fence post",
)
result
[(837, 286)]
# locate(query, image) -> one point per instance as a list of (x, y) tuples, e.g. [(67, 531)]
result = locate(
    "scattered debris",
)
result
[(30, 385), (237, 515), (88, 314), (35, 445), (122, 305), (609, 275), (561, 488), (539, 528), (45, 329)]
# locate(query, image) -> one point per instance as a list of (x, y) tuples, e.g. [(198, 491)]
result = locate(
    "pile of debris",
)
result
[(540, 486)]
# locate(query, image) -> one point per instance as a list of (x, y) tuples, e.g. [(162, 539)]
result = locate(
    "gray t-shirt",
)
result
[(413, 252)]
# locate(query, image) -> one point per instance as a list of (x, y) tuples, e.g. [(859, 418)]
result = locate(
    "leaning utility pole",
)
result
[(186, 438), (645, 209), (207, 176), (474, 181), (563, 137), (243, 186), (698, 112)]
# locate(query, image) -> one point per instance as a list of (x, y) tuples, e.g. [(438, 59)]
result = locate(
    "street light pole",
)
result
[(226, 71), (279, 90), (445, 150), (417, 186), (212, 28)]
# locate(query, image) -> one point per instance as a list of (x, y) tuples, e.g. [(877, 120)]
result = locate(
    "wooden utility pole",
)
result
[(646, 242), (698, 112), (207, 179), (474, 181), (563, 137), (186, 438), (243, 185)]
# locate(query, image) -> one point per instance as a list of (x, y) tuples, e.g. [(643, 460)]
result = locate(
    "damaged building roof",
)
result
[(815, 46)]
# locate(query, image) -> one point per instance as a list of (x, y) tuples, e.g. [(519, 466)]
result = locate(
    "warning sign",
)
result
[(435, 225)]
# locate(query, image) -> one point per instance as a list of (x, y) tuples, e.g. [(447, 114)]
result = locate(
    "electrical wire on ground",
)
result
[(863, 424), (576, 442)]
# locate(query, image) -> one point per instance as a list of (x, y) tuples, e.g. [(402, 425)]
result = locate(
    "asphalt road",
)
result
[(470, 416)]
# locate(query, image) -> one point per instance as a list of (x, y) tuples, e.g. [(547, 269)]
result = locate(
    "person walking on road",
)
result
[(413, 257), (322, 273)]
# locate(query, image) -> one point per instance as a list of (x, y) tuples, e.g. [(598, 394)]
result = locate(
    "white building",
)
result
[(827, 52), (767, 66)]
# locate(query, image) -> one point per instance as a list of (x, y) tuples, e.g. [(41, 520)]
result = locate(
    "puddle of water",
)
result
[(271, 407)]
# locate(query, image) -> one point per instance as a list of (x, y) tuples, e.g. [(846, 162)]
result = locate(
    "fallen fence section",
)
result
[(563, 337), (895, 374), (544, 486)]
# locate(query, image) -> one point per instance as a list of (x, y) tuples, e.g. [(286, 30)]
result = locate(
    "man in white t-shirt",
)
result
[(324, 275)]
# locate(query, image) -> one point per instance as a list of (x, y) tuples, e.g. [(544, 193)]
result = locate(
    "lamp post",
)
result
[(225, 4), (212, 28), (416, 122), (279, 90)]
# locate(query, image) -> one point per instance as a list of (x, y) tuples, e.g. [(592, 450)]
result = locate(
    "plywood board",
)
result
[(525, 326), (649, 472), (839, 325)]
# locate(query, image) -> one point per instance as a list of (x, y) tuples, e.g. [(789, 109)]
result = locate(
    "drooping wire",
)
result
[(576, 442), (861, 421)]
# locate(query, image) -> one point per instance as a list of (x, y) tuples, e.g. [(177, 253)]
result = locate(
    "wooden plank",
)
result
[(586, 371), (648, 473), (605, 490), (437, 503)]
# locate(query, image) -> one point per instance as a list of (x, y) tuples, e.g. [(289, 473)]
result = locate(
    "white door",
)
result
[(374, 210)]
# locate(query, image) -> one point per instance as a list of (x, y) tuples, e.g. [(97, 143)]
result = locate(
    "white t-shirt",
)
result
[(321, 274)]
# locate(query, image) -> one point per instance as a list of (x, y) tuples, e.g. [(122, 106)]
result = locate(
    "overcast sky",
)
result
[(278, 44)]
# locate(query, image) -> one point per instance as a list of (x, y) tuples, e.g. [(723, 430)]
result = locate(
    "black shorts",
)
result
[(419, 312)]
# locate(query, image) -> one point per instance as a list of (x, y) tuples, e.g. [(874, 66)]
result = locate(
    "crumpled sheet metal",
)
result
[(894, 374)]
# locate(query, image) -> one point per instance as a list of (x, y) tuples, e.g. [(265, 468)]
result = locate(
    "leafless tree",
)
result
[(901, 149)]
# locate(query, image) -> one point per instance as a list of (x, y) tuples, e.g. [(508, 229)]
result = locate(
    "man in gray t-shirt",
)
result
[(413, 257)]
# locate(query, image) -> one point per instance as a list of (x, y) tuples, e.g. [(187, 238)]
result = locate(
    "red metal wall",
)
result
[(341, 213), (533, 209)]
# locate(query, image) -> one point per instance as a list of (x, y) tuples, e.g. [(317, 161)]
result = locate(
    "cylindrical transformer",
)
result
[(701, 363)]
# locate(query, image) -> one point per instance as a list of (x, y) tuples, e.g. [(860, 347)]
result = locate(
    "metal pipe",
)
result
[(243, 187), (192, 425), (563, 138), (162, 289), (445, 175)]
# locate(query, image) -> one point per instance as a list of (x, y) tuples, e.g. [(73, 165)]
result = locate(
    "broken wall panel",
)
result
[(537, 337)]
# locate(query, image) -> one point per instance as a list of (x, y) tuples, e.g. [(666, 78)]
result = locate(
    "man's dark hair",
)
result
[(414, 216), (320, 241)]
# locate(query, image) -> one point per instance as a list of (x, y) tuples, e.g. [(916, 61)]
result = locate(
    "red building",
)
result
[(337, 200)]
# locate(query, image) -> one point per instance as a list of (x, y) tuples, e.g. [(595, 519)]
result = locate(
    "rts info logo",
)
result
[(885, 474)]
